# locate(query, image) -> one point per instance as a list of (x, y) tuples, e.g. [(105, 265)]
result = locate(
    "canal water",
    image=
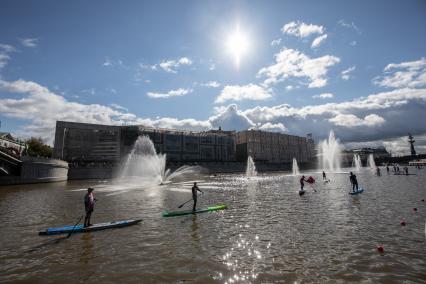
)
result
[(268, 234)]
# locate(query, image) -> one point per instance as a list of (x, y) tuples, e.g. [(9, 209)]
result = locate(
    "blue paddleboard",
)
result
[(95, 227), (356, 192)]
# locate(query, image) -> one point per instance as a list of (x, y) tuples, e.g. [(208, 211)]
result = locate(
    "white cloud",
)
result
[(29, 42), (5, 49), (119, 107), (300, 29), (323, 96), (172, 93), (350, 25), (410, 74), (36, 99), (277, 127), (211, 84), (212, 67), (276, 42), (346, 73), (350, 120), (244, 92), (107, 62), (293, 63), (170, 66), (317, 41), (231, 118), (352, 43)]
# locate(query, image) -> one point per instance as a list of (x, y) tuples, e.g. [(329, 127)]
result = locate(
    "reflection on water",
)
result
[(268, 234)]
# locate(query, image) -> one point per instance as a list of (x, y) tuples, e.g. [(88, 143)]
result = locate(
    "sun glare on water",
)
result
[(237, 45)]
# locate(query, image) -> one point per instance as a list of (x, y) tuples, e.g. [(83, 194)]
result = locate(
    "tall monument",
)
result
[(411, 141)]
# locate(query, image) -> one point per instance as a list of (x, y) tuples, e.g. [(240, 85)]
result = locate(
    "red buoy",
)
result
[(380, 249), (403, 223), (415, 209), (423, 200)]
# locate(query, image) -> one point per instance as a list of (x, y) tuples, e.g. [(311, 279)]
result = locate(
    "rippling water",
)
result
[(269, 234)]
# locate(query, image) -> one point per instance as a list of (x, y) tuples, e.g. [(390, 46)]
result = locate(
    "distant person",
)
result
[(406, 170), (194, 195), (89, 204), (394, 168), (302, 184), (324, 176), (387, 169), (397, 169), (354, 182), (378, 171)]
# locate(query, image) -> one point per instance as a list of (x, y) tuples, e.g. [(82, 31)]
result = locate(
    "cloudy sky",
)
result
[(355, 67)]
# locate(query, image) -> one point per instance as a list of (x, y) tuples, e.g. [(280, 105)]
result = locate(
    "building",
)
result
[(275, 148), (94, 143), (10, 145)]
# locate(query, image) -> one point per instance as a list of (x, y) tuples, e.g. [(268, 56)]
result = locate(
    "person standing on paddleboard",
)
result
[(302, 185), (354, 182), (324, 177), (194, 195), (89, 204)]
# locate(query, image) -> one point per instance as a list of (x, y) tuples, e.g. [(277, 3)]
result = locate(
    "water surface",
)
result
[(269, 234)]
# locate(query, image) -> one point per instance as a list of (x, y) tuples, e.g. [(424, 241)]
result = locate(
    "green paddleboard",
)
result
[(187, 212)]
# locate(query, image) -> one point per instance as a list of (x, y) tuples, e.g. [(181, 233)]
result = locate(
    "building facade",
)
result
[(93, 143), (273, 147)]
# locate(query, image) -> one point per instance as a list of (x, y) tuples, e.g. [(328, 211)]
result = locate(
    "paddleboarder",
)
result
[(194, 195), (324, 177), (89, 204), (354, 182), (302, 184)]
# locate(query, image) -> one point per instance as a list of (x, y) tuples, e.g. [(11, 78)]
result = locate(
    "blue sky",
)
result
[(355, 67)]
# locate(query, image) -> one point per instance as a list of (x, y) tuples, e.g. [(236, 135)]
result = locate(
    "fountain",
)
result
[(251, 168), (370, 162), (143, 162), (330, 153), (356, 162), (295, 167)]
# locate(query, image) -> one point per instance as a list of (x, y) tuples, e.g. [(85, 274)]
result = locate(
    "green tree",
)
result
[(36, 147)]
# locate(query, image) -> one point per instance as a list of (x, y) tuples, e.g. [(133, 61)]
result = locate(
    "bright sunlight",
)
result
[(237, 45)]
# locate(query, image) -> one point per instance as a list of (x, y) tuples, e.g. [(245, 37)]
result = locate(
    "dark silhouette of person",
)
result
[(324, 177), (354, 182), (302, 184), (194, 195), (89, 205)]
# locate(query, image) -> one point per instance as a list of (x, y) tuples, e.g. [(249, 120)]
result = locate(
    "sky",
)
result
[(357, 68)]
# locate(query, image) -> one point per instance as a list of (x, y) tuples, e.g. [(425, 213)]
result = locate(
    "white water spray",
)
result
[(144, 163), (295, 167), (356, 162), (251, 167), (330, 153), (370, 162)]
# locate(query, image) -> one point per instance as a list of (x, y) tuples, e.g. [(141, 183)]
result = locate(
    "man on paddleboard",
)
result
[(354, 182), (89, 204), (194, 195), (302, 185)]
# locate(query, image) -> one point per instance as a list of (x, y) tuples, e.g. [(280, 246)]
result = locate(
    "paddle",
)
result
[(69, 234), (180, 206)]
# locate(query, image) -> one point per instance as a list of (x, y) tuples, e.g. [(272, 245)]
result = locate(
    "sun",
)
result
[(237, 45)]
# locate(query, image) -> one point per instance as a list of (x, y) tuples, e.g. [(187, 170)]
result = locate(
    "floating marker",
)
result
[(423, 200), (415, 209), (380, 249), (403, 223)]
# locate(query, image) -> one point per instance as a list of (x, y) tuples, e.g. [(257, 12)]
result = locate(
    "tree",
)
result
[(36, 148)]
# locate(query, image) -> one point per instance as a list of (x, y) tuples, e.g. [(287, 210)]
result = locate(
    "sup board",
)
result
[(187, 212), (356, 192), (405, 174), (301, 192), (94, 227)]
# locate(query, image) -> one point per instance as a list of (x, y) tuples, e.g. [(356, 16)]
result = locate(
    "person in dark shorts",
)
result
[(89, 204), (302, 184), (354, 182), (194, 195), (324, 177)]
